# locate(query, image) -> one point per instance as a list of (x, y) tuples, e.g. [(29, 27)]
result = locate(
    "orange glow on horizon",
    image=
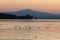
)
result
[(51, 6)]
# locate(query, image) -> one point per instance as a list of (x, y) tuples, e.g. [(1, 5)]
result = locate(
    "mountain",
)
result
[(35, 14)]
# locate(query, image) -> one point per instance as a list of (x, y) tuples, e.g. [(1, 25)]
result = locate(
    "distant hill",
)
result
[(11, 16), (22, 14)]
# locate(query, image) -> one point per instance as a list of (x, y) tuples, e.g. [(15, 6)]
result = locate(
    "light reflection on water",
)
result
[(42, 33)]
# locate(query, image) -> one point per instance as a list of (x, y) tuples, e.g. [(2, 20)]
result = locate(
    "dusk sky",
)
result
[(50, 6)]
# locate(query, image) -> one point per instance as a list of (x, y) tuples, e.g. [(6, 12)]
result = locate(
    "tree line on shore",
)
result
[(11, 16)]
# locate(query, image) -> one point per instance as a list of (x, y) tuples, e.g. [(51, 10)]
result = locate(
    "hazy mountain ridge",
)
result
[(34, 14)]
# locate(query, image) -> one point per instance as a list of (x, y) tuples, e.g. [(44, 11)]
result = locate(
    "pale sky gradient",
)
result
[(51, 6)]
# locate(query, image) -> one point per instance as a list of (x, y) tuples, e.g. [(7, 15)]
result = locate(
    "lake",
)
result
[(39, 29)]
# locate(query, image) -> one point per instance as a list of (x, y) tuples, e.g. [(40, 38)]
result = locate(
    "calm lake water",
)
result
[(39, 29)]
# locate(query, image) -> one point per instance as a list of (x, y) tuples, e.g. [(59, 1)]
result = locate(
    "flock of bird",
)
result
[(29, 26)]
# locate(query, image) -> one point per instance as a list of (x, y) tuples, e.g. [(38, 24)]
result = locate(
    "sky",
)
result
[(50, 6)]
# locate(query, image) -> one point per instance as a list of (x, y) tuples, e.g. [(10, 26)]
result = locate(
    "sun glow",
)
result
[(51, 6)]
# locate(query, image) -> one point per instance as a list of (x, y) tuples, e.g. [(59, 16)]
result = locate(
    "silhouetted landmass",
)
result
[(28, 14), (10, 16), (7, 16), (26, 17)]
